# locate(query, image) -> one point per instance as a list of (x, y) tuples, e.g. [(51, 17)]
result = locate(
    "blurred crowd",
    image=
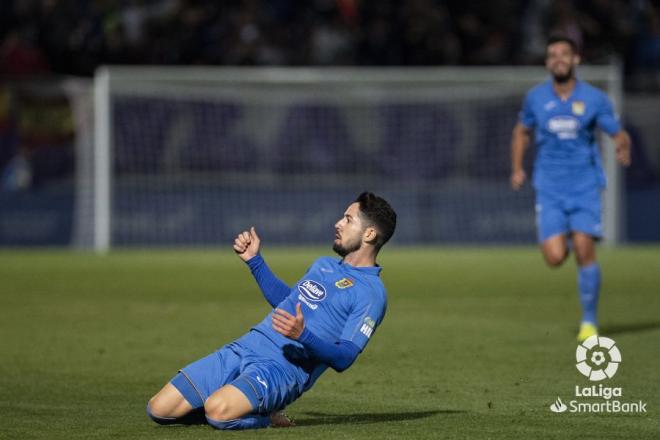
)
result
[(75, 36)]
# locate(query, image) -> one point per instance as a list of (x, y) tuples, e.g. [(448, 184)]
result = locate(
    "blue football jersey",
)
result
[(568, 156), (338, 302)]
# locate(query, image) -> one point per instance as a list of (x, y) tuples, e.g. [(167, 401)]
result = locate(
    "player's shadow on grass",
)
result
[(635, 327), (359, 419)]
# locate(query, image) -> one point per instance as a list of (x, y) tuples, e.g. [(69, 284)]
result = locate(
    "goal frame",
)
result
[(108, 76)]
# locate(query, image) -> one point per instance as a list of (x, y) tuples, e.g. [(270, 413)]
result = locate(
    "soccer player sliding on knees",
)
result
[(563, 113), (325, 320)]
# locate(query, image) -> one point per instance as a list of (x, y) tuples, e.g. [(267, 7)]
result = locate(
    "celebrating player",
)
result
[(564, 112), (325, 320)]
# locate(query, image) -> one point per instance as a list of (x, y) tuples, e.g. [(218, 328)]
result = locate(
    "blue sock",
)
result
[(194, 417), (247, 422), (589, 286)]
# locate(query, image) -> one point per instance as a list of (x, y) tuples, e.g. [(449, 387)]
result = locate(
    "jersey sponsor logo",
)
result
[(565, 127), (368, 326), (344, 283), (312, 290), (578, 108), (307, 302)]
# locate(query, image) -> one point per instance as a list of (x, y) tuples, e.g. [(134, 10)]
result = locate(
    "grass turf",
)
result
[(477, 343)]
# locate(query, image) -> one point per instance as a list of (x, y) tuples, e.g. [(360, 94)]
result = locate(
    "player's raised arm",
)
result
[(246, 245), (520, 139)]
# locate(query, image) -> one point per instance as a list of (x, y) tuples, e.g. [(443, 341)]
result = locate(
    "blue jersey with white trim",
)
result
[(338, 302), (568, 156)]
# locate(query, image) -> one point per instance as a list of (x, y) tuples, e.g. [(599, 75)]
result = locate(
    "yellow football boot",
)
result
[(587, 330)]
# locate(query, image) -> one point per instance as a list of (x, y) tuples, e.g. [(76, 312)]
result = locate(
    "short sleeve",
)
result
[(526, 115), (367, 313), (605, 118)]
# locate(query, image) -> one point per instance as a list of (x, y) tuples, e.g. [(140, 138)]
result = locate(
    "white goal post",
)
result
[(176, 147)]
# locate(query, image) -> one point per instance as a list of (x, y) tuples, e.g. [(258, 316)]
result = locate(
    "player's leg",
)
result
[(170, 405), (552, 227), (588, 283), (555, 250), (183, 398), (230, 408), (585, 222), (585, 249), (254, 399)]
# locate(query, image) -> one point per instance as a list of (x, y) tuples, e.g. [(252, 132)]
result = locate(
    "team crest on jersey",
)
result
[(312, 290), (578, 108), (344, 283)]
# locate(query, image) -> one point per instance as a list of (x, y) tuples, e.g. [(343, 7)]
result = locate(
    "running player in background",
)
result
[(563, 114), (325, 320)]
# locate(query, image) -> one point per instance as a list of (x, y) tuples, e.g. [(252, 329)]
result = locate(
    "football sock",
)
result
[(194, 417), (589, 287), (247, 422)]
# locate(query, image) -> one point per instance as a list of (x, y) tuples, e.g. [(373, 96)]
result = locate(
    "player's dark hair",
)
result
[(378, 214), (563, 39)]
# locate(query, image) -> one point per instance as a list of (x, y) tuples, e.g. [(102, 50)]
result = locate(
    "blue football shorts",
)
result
[(268, 384), (563, 213)]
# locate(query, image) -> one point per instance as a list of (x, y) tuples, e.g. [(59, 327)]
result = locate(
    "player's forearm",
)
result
[(337, 356), (273, 289), (519, 142)]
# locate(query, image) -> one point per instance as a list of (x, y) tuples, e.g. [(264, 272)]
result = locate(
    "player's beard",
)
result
[(562, 78), (343, 250)]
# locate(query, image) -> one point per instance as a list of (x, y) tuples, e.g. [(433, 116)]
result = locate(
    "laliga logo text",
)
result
[(598, 358)]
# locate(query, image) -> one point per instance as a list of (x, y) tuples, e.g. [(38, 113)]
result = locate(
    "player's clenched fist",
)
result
[(246, 244)]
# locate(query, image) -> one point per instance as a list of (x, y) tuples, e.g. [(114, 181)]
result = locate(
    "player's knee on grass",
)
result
[(169, 405), (194, 417), (221, 415), (159, 408), (218, 409), (228, 403), (158, 417)]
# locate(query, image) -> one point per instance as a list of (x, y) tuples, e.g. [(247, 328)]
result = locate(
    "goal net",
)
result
[(191, 156)]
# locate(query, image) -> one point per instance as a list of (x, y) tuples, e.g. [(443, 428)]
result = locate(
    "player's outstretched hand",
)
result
[(246, 244), (287, 324), (517, 179)]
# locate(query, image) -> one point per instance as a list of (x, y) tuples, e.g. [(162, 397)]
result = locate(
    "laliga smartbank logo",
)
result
[(598, 359)]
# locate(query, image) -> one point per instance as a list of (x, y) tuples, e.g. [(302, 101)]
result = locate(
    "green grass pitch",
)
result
[(477, 343)]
